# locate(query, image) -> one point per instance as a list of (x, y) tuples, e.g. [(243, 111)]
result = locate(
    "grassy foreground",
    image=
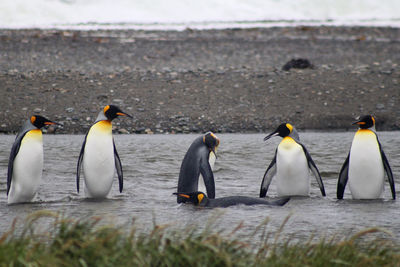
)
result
[(69, 242)]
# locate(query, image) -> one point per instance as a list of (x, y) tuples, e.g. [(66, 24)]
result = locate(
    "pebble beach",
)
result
[(228, 80)]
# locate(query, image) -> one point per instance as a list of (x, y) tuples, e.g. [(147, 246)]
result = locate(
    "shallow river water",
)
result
[(151, 166)]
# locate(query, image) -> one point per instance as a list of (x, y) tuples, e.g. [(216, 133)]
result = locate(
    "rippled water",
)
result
[(151, 165)]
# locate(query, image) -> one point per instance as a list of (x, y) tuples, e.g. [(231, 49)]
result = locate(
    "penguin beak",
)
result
[(52, 123), (124, 114), (358, 122), (182, 195), (275, 133)]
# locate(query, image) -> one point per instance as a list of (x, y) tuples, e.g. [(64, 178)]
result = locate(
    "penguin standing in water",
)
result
[(200, 199), (25, 165), (366, 164), (290, 165), (99, 155), (196, 170)]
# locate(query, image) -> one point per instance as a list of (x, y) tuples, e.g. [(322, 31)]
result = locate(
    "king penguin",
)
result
[(99, 155), (25, 165), (200, 199), (366, 164), (196, 170), (290, 165)]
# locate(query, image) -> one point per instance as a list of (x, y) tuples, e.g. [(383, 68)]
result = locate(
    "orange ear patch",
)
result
[(290, 127), (33, 119), (200, 197), (106, 108)]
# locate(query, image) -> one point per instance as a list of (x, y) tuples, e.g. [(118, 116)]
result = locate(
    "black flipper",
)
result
[(78, 168), (207, 173), (118, 166), (388, 170), (13, 154), (343, 177), (314, 170), (268, 175)]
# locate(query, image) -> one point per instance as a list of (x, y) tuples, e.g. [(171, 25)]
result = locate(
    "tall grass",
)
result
[(88, 242)]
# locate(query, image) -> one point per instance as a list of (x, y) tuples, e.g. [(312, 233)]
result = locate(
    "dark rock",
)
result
[(140, 130), (299, 63)]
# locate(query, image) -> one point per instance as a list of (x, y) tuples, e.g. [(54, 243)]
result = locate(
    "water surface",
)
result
[(151, 166)]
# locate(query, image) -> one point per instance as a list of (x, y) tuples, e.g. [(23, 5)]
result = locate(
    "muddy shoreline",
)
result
[(195, 81)]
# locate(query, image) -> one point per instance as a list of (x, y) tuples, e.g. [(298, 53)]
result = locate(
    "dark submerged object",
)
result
[(299, 63), (200, 199)]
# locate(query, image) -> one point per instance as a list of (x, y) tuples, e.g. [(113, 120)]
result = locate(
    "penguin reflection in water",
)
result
[(25, 165), (200, 199), (99, 155), (366, 164), (290, 165), (196, 170)]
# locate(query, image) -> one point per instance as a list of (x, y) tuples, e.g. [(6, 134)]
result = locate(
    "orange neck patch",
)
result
[(34, 134), (103, 126), (364, 131)]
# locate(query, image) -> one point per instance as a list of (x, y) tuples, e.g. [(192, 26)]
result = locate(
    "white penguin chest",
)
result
[(98, 159), (27, 168), (28, 164), (292, 172), (366, 172)]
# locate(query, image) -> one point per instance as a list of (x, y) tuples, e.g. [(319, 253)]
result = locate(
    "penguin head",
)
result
[(39, 121), (365, 122), (111, 112), (283, 130), (211, 141), (196, 198)]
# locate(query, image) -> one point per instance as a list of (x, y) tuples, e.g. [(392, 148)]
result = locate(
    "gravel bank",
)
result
[(195, 81)]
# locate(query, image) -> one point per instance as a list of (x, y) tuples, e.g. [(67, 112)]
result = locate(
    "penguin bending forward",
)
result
[(99, 155), (200, 199), (25, 165), (366, 164), (196, 169), (290, 165)]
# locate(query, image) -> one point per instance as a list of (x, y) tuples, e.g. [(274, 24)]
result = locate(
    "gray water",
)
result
[(151, 166)]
